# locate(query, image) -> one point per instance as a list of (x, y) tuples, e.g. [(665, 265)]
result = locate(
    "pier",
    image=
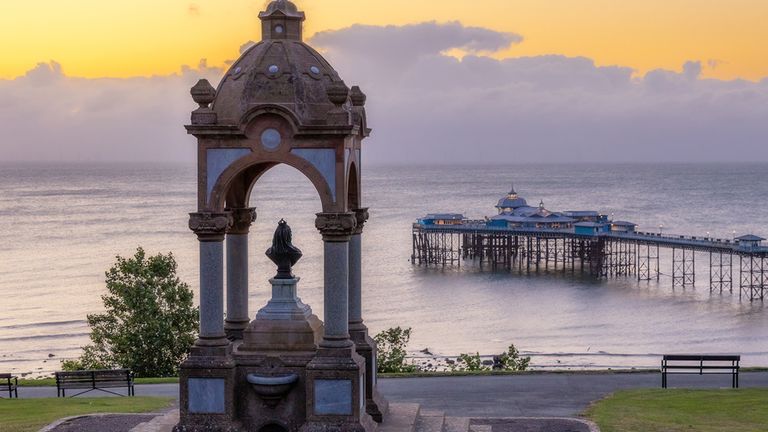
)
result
[(529, 240)]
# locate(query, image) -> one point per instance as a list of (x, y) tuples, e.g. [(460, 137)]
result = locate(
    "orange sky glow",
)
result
[(98, 38)]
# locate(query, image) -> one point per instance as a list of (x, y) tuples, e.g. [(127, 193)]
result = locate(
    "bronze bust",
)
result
[(284, 254)]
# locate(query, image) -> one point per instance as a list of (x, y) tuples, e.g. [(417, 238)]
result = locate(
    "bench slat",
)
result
[(689, 357), (95, 379)]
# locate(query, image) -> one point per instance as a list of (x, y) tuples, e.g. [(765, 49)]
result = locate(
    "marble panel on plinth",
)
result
[(333, 397), (206, 395)]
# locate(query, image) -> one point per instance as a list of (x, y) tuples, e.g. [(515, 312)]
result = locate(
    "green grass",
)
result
[(27, 415), (51, 382), (673, 410)]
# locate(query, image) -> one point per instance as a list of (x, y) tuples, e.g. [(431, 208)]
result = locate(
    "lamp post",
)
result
[(661, 229)]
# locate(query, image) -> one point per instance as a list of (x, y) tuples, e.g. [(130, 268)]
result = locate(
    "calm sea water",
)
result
[(63, 225)]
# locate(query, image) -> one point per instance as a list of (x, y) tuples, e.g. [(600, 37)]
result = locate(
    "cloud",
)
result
[(46, 115), (244, 47), (401, 45), (427, 107), (424, 106)]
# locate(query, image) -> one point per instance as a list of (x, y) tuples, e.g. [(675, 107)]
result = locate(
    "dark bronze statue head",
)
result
[(283, 253)]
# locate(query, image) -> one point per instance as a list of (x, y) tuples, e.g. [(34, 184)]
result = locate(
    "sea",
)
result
[(62, 225)]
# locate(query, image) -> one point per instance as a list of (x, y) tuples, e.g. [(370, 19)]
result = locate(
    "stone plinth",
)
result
[(285, 324), (376, 405), (336, 392), (207, 397)]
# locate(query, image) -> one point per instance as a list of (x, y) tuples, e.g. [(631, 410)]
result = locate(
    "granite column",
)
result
[(210, 229), (237, 272), (376, 405)]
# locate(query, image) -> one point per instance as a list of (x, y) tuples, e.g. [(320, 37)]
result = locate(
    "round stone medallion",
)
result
[(271, 139)]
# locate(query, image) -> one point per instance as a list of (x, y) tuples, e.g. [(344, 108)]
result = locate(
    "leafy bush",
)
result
[(469, 362), (391, 354), (508, 361), (511, 360), (150, 321)]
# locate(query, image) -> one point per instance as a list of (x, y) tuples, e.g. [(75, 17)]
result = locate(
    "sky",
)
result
[(447, 81)]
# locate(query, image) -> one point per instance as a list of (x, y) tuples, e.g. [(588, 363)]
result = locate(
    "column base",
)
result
[(214, 348), (375, 405), (235, 329)]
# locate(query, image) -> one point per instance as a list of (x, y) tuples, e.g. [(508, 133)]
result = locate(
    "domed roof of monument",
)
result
[(285, 7), (280, 70)]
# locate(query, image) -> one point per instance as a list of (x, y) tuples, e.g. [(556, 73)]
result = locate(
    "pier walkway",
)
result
[(603, 254)]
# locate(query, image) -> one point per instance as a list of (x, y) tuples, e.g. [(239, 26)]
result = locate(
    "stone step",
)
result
[(162, 423), (430, 421), (480, 428), (456, 424), (400, 418)]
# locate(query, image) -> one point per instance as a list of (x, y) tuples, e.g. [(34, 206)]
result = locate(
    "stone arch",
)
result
[(234, 185), (273, 427), (353, 188)]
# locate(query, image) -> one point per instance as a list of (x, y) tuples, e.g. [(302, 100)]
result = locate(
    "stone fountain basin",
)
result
[(270, 387)]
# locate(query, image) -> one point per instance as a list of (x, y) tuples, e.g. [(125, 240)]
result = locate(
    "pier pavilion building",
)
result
[(514, 212)]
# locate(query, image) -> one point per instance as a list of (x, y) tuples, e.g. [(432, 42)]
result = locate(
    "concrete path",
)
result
[(545, 395), (530, 395)]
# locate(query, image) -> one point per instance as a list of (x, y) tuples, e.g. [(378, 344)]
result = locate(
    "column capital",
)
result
[(336, 227), (361, 216), (209, 226), (242, 218)]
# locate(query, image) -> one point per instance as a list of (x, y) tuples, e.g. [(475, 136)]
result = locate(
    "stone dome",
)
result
[(280, 70), (283, 6)]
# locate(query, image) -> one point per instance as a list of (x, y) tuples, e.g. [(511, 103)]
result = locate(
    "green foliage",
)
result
[(150, 321), (468, 363), (508, 361), (391, 354), (511, 360)]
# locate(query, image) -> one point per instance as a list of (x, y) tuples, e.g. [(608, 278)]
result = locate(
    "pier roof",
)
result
[(623, 223), (444, 216), (512, 200), (750, 237)]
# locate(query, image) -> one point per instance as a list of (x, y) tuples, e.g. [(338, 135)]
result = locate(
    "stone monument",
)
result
[(279, 103)]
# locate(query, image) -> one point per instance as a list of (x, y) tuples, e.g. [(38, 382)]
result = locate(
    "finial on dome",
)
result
[(338, 93), (203, 93), (281, 20), (357, 96)]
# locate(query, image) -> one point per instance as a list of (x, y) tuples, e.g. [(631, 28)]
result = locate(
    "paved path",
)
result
[(536, 395)]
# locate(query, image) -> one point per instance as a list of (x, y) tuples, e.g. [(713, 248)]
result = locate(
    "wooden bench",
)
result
[(94, 380), (700, 365), (10, 384)]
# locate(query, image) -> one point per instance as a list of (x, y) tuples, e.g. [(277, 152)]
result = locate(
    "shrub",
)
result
[(469, 362), (511, 360), (150, 321), (391, 344)]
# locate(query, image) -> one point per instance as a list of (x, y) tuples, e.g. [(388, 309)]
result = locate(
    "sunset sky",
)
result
[(99, 38), (449, 81)]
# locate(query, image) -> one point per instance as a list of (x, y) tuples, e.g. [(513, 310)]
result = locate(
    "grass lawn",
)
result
[(672, 410), (27, 415)]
